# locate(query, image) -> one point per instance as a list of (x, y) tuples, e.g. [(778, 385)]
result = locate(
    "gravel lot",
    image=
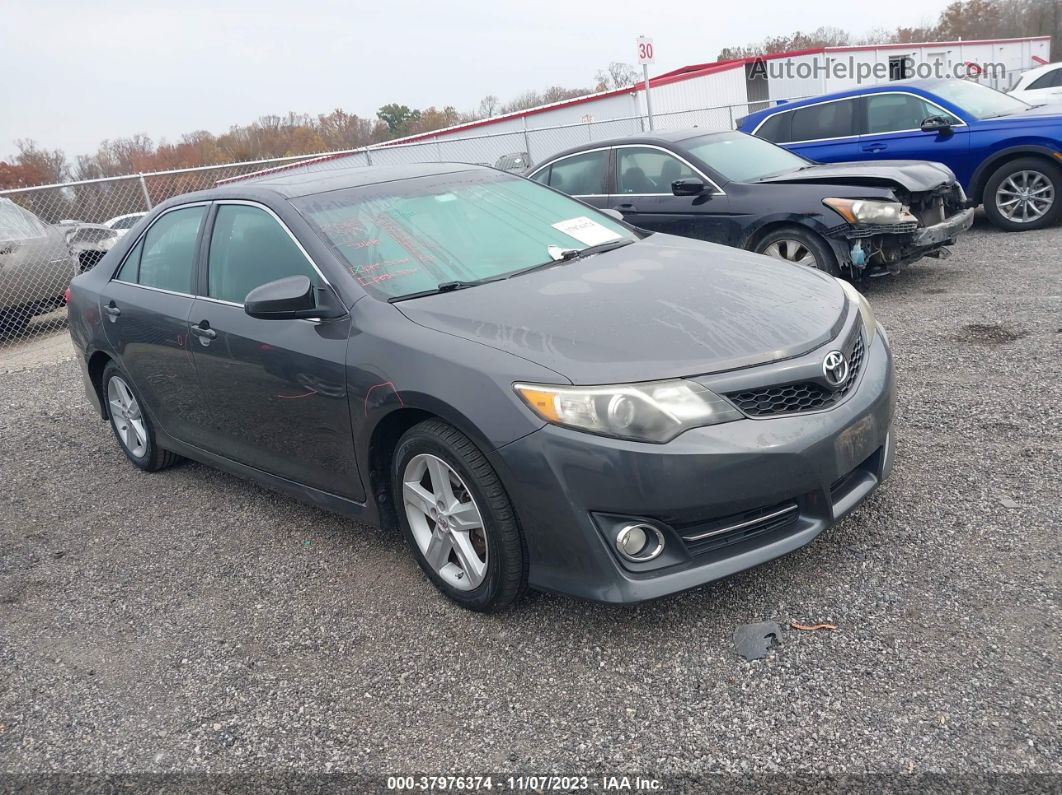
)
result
[(192, 621)]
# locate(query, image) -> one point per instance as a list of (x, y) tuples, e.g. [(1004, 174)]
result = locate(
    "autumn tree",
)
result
[(618, 75)]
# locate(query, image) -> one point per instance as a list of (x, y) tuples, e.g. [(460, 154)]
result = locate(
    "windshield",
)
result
[(743, 158), (979, 101), (412, 235)]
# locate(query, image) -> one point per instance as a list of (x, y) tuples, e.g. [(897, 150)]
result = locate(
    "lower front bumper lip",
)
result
[(945, 230)]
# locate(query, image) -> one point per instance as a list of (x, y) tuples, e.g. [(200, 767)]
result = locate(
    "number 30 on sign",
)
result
[(645, 51)]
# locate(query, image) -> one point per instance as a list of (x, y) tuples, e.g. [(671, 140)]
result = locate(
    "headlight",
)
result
[(650, 412), (870, 323), (871, 211)]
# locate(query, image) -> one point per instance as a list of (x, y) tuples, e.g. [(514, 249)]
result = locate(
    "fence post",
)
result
[(527, 142), (143, 188), (368, 155), (731, 109)]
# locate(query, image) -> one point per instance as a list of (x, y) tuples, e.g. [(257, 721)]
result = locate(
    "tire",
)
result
[(435, 459), (1043, 178), (132, 428), (13, 322), (795, 244)]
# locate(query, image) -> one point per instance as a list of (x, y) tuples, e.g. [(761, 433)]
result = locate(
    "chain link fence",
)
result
[(51, 233)]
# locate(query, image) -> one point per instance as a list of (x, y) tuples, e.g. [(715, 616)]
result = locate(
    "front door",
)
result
[(643, 194), (145, 310), (893, 131), (276, 390)]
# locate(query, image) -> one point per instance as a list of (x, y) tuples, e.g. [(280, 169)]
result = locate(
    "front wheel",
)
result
[(799, 246), (1024, 194), (457, 518)]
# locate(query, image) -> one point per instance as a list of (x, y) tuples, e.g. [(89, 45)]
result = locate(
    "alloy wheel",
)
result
[(792, 251), (1025, 196), (126, 417), (446, 523)]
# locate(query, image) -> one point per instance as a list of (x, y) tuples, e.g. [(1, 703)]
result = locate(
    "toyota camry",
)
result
[(535, 393)]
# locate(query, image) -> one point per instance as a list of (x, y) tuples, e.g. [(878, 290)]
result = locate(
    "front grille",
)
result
[(794, 398)]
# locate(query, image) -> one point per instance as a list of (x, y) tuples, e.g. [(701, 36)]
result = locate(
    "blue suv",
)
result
[(1006, 153)]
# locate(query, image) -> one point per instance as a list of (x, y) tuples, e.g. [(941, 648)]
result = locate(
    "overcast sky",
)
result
[(77, 71)]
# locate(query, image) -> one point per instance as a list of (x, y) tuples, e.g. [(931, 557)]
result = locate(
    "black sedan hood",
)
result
[(912, 175), (664, 307)]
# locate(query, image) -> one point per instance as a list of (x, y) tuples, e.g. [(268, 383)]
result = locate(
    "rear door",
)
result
[(892, 130), (582, 175), (643, 176), (275, 390), (826, 132), (145, 309)]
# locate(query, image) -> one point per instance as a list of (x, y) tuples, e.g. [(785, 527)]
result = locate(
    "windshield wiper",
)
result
[(570, 254), (445, 287)]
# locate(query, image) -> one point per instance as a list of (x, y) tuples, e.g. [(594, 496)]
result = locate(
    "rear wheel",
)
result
[(131, 424), (799, 246), (457, 518), (13, 322), (1024, 194)]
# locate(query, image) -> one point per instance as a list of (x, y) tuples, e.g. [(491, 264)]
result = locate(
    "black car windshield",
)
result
[(411, 236), (979, 101), (743, 158)]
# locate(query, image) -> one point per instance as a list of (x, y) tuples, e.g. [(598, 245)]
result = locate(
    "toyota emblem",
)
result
[(835, 368)]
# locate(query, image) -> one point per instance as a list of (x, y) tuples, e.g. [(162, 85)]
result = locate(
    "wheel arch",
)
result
[(96, 364), (990, 164), (382, 439)]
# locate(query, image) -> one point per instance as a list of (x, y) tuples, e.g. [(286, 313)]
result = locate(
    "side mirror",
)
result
[(688, 187), (936, 124), (290, 298)]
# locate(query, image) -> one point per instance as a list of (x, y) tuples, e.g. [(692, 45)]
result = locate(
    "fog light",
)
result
[(639, 542)]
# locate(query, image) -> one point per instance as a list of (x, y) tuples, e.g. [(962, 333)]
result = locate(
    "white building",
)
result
[(709, 95)]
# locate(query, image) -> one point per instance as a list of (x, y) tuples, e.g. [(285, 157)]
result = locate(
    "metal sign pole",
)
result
[(648, 96)]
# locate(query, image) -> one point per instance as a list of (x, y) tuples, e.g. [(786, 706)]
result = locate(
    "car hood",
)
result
[(1037, 116), (912, 175), (664, 307)]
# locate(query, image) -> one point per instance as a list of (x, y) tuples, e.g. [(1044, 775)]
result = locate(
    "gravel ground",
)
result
[(191, 621)]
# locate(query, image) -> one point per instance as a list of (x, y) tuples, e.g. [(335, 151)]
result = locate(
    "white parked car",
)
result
[(123, 223), (1040, 86)]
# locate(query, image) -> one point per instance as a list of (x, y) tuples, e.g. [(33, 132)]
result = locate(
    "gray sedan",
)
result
[(535, 393)]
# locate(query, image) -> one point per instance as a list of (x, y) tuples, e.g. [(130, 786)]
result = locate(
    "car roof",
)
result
[(651, 139)]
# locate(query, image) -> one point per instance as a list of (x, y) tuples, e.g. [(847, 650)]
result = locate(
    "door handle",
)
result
[(204, 332), (875, 147), (626, 207), (112, 311)]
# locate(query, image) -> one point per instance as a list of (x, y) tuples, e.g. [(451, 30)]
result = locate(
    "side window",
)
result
[(168, 257), (1052, 79), (773, 129), (580, 175), (128, 273), (896, 112), (829, 120), (248, 248), (542, 176), (648, 170)]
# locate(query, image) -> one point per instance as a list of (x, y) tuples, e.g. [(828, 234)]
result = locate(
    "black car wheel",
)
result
[(799, 246), (13, 322), (457, 518), (1024, 194), (131, 424)]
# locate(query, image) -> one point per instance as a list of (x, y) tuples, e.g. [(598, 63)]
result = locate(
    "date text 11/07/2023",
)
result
[(523, 783)]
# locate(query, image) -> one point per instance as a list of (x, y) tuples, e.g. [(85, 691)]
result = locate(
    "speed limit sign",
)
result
[(645, 51)]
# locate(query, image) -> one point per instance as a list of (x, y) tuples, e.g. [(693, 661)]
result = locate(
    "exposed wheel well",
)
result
[(96, 364), (766, 229), (983, 177), (381, 453)]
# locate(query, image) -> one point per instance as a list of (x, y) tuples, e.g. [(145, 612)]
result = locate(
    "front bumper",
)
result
[(569, 488), (946, 230)]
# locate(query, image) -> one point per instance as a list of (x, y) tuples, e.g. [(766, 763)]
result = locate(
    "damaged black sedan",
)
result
[(853, 219)]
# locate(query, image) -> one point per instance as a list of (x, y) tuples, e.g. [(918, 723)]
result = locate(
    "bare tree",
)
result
[(488, 106), (618, 75)]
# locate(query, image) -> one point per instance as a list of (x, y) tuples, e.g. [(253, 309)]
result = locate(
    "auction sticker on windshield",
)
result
[(586, 230)]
